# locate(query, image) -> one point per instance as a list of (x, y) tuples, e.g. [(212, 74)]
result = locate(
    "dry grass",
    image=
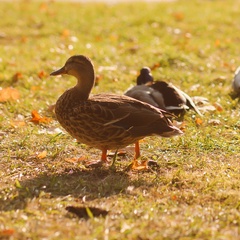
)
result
[(195, 192)]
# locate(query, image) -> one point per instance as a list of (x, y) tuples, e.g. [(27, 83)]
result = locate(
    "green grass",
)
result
[(195, 193)]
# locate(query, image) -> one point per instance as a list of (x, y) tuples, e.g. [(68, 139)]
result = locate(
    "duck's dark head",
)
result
[(145, 76)]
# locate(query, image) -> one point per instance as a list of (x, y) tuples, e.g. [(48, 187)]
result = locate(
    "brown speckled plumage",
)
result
[(106, 121)]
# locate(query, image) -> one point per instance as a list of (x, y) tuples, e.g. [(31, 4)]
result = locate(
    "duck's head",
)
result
[(82, 68), (145, 70), (145, 76), (76, 66)]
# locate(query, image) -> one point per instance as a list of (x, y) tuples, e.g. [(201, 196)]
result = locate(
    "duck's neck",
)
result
[(85, 84)]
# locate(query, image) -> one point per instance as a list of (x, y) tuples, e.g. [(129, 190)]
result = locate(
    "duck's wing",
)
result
[(146, 94), (138, 118)]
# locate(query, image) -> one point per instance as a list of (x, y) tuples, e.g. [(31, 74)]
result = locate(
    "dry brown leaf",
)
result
[(154, 66), (16, 77), (9, 94), (218, 107), (37, 119)]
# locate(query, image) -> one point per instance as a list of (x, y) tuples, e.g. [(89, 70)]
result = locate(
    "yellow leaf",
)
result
[(16, 123), (8, 94)]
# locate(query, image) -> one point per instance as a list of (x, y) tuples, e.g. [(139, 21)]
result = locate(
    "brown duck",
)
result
[(106, 121)]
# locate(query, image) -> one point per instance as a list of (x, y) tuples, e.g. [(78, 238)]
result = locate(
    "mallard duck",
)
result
[(236, 81), (161, 94), (106, 121)]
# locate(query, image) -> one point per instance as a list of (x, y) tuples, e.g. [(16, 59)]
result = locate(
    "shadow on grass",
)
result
[(94, 183)]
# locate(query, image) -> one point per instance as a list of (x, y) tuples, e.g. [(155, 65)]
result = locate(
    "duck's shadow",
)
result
[(92, 184)]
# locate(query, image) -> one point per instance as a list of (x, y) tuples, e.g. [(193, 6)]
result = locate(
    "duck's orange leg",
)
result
[(136, 165), (137, 150), (104, 156)]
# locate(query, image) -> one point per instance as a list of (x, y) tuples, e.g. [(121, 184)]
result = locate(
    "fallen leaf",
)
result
[(218, 107), (35, 88), (43, 7), (16, 77), (174, 197), (42, 74), (8, 94), (217, 43), (42, 154), (24, 39), (140, 166), (16, 123), (65, 33), (37, 119), (154, 66), (178, 16), (75, 160), (19, 121), (7, 232), (87, 212), (199, 121)]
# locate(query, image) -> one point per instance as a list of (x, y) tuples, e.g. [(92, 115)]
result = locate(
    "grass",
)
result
[(195, 193)]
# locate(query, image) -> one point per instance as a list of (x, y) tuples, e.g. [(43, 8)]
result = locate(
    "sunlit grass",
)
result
[(195, 192)]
